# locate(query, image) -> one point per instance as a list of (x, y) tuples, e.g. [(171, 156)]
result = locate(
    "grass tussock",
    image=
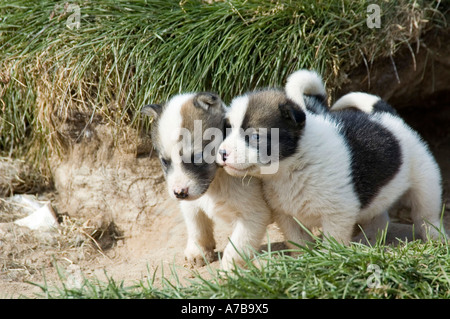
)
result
[(127, 53)]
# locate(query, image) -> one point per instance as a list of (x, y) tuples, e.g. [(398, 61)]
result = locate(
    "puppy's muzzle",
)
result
[(181, 193), (223, 155)]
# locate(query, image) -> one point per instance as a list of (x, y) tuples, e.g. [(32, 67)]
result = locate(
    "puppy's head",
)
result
[(186, 134), (263, 128)]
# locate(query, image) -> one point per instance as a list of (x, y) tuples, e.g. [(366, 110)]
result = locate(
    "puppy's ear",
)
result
[(207, 100), (153, 110), (292, 112)]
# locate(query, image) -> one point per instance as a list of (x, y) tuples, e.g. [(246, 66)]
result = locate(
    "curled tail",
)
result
[(305, 82), (364, 102)]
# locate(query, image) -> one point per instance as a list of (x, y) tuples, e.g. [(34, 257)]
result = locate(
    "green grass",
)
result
[(130, 52), (407, 271)]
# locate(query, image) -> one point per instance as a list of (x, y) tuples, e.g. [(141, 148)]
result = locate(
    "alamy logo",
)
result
[(73, 20), (201, 146), (374, 16), (374, 280)]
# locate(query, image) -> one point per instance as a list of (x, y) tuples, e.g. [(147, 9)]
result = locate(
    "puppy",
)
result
[(332, 169), (307, 89), (186, 134), (313, 100), (428, 174)]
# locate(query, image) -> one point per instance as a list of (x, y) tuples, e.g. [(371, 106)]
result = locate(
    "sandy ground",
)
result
[(116, 218)]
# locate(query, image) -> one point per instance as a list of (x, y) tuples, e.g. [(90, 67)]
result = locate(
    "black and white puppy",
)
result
[(186, 134), (329, 169), (428, 174)]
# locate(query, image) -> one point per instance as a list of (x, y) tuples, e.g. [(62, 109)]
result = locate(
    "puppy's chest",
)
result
[(218, 205), (229, 198), (292, 196)]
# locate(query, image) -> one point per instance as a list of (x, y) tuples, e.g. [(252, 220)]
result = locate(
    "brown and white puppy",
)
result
[(330, 169), (186, 134)]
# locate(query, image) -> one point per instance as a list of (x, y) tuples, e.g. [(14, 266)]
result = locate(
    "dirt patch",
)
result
[(416, 76), (18, 177)]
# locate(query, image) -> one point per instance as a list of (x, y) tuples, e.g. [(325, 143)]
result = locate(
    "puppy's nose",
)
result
[(223, 154), (181, 193)]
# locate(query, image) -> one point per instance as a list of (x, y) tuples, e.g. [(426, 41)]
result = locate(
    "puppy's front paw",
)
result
[(231, 258), (198, 258)]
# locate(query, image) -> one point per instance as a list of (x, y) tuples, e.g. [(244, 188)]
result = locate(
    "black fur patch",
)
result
[(383, 106), (202, 173), (271, 109), (315, 104), (376, 153)]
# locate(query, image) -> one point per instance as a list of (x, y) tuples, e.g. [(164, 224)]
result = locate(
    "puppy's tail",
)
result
[(304, 82), (364, 102)]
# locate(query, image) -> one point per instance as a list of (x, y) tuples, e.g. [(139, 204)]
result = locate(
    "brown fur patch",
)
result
[(213, 118), (262, 110)]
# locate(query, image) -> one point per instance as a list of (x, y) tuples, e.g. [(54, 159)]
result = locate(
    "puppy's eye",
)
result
[(197, 159), (226, 127), (165, 163), (227, 123), (254, 137)]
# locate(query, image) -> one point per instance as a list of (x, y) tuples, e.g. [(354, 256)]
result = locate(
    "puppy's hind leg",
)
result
[(425, 197), (426, 208), (293, 233), (372, 228)]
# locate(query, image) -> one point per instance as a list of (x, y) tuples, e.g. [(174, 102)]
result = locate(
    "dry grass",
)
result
[(17, 176)]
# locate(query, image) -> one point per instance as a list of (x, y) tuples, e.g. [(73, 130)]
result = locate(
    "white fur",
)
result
[(170, 123), (315, 185), (230, 199), (236, 115), (360, 100), (309, 186), (304, 82), (419, 180), (241, 158), (169, 127)]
